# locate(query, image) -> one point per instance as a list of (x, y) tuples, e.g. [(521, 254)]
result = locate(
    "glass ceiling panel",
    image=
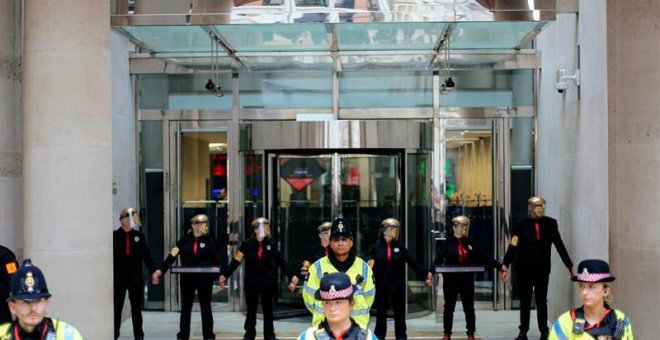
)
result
[(283, 63), (281, 38), (164, 39), (492, 35), (416, 62), (388, 36)]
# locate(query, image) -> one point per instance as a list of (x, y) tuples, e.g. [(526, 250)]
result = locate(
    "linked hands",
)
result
[(504, 273), (223, 280), (155, 277), (293, 284), (429, 280)]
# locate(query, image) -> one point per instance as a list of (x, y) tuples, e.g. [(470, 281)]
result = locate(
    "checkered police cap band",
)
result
[(588, 277), (333, 294)]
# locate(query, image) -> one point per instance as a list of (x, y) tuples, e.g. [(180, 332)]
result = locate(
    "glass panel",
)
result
[(203, 159), (152, 202), (469, 186), (418, 228), (487, 88), (297, 63), (305, 90), (304, 201), (184, 91), (416, 62), (385, 89), (283, 38), (386, 36), (172, 38), (491, 35), (254, 186), (370, 194)]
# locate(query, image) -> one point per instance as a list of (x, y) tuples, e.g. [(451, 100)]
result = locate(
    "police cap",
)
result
[(28, 284), (593, 270), (335, 286)]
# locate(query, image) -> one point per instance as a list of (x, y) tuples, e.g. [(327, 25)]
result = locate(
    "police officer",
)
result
[(28, 300), (129, 251), (595, 319), (9, 267), (320, 250), (196, 249), (341, 259), (459, 250), (529, 249), (336, 294), (388, 258), (261, 261)]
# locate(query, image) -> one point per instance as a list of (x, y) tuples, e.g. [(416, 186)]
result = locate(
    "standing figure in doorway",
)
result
[(196, 249), (261, 262), (529, 251), (388, 258), (129, 247), (320, 250), (459, 250)]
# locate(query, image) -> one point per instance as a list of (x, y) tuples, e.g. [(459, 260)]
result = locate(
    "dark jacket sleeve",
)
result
[(561, 248), (415, 265), (483, 257), (234, 262), (169, 260), (8, 262), (284, 266), (439, 257), (146, 256), (511, 251)]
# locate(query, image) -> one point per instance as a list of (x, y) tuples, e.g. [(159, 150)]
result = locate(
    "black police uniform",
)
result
[(390, 277), (9, 267), (460, 283), (260, 282), (531, 257), (129, 251), (195, 252)]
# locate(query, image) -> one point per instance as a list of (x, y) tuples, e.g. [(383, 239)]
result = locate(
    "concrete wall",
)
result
[(124, 129), (572, 142), (633, 33), (11, 150)]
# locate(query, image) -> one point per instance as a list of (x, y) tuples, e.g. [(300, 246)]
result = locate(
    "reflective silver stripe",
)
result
[(365, 272), (558, 331), (317, 265), (314, 308), (309, 289), (371, 292), (360, 311)]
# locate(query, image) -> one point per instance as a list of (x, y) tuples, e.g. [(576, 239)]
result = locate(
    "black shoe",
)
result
[(522, 336), (544, 336)]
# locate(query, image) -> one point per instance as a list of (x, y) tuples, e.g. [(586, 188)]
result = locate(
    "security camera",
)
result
[(211, 87), (561, 86), (447, 86), (562, 80)]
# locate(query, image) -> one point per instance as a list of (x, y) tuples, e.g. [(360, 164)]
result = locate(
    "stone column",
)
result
[(67, 164), (634, 158), (10, 127)]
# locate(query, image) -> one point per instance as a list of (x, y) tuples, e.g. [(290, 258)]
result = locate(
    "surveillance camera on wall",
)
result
[(562, 80)]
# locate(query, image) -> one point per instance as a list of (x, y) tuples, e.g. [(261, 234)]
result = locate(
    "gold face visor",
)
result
[(201, 222), (261, 226), (133, 215), (463, 223)]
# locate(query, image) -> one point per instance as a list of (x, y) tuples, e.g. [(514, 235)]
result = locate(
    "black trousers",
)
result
[(533, 280), (383, 297), (203, 284), (250, 326), (455, 284), (134, 284)]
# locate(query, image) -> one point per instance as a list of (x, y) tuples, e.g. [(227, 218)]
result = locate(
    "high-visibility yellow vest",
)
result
[(62, 331), (316, 333), (562, 329), (362, 299)]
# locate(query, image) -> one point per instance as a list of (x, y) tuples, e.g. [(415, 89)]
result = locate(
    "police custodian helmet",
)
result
[(28, 284), (340, 229)]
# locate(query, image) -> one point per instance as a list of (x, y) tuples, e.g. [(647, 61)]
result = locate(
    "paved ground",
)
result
[(495, 325)]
